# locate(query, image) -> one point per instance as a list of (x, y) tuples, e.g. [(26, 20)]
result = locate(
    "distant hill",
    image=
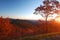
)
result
[(20, 20), (33, 22), (52, 26)]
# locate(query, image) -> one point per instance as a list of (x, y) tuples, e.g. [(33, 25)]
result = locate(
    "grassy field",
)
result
[(49, 36)]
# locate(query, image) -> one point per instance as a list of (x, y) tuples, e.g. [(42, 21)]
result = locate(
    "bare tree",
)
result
[(49, 7)]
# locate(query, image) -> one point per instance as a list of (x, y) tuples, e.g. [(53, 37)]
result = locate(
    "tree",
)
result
[(49, 7)]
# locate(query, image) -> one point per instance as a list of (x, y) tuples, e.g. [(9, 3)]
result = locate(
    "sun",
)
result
[(57, 19)]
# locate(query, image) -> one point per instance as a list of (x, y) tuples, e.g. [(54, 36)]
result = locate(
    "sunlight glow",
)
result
[(32, 17), (36, 17), (57, 19), (52, 17)]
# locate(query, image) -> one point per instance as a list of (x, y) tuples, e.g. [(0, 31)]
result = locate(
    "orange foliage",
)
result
[(10, 31)]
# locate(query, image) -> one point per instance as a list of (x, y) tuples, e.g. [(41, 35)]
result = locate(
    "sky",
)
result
[(19, 8)]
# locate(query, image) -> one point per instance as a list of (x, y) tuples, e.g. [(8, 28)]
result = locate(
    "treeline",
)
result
[(10, 31)]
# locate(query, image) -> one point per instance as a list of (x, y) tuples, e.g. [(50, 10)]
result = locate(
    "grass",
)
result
[(49, 36)]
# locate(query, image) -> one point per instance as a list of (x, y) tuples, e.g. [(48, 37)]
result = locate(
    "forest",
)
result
[(14, 29)]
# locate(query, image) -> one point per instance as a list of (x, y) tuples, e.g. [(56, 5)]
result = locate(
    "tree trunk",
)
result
[(46, 24)]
